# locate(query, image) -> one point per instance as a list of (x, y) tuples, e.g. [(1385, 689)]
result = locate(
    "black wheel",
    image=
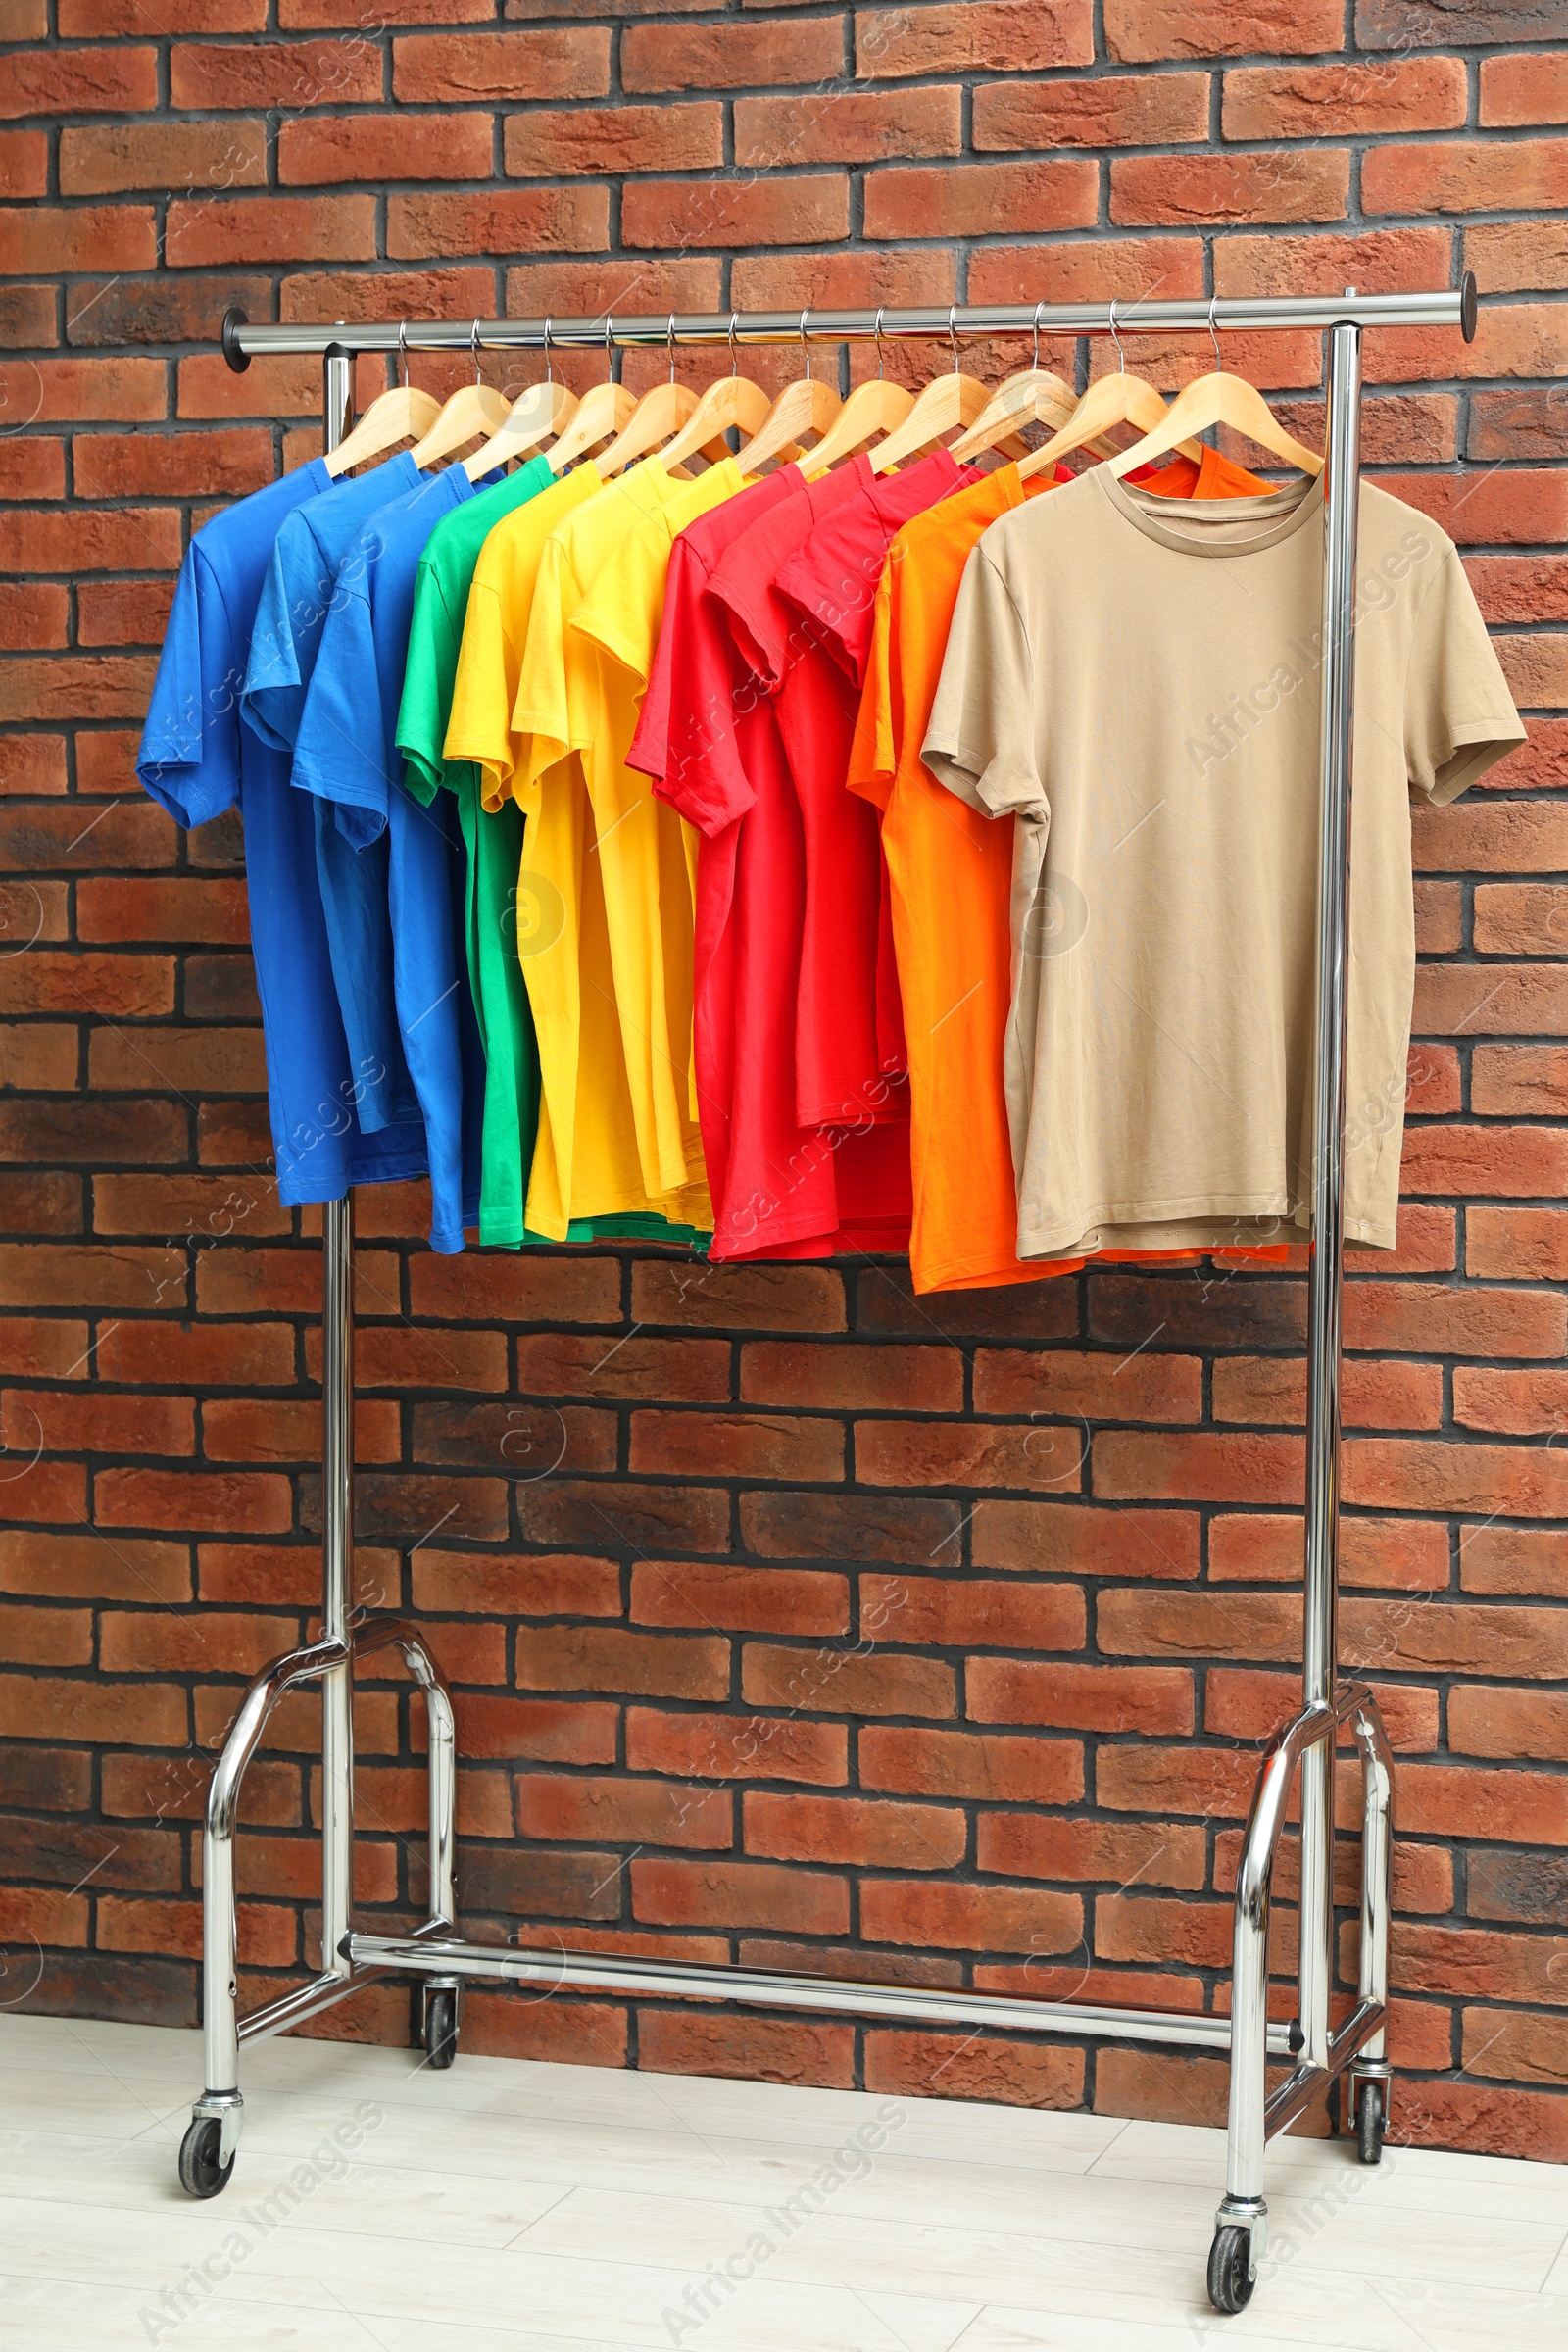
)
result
[(201, 2175), (1369, 2123), (441, 2027), (1230, 2282)]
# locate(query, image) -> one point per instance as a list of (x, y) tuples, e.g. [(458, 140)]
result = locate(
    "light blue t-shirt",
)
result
[(196, 759), (391, 868)]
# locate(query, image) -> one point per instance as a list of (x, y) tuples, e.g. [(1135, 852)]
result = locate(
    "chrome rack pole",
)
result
[(337, 1453), (1320, 1644)]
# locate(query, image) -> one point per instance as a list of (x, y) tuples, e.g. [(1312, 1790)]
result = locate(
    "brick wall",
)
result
[(846, 1631)]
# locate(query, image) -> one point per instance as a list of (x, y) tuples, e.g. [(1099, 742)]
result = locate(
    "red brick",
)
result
[(849, 1376), (38, 1349), (1524, 89), (1498, 1000), (1513, 2046), (240, 1354), (1467, 175), (1150, 1700), (271, 228), (1489, 1722), (1513, 1162), (989, 36), (392, 1356), (1451, 1800), (270, 387), (622, 1812), (690, 1445), (1524, 1245), (1518, 257), (1413, 1474), (99, 159), (909, 1453), (1513, 1559), (872, 1833), (227, 1500), (730, 1747), (1188, 192), (741, 1598), (73, 1421), (542, 1730), (243, 1429), (1138, 1623), (1142, 1927), (46, 1636), (1522, 918), (547, 144), (757, 1297), (950, 2066), (1098, 1388), (452, 69), (40, 1203), (756, 2049), (514, 1587), (981, 199), (960, 1764), (599, 1658), (139, 1714), (855, 126), (157, 1642), (572, 219), (527, 1289), (731, 1895), (42, 1056), (1091, 272), (124, 612), (972, 1612), (968, 1918), (1076, 1540), (1201, 1468), (287, 75), (68, 1274), (730, 56), (1137, 32), (42, 981), (1324, 102), (831, 1681), (24, 165), (112, 387), (1525, 1081), (812, 209), (86, 17), (32, 617), (274, 1576), (1406, 1555), (91, 686), (1040, 1847), (321, 150), (33, 469), (1210, 1782), (1144, 110), (80, 81), (1514, 1403), (72, 541)]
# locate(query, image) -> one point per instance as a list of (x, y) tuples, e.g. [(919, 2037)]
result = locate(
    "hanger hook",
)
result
[(1035, 362), (403, 349), (876, 329), (734, 364), (670, 345), (550, 374), (1214, 338), (473, 347), (953, 338), (1121, 355), (806, 355), (610, 348)]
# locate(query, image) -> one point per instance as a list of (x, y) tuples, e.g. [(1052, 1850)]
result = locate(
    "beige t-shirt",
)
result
[(1140, 683)]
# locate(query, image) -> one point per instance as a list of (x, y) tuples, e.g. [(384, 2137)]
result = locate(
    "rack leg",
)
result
[(337, 1548)]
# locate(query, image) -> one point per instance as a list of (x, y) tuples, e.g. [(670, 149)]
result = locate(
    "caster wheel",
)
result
[(441, 2029), (1369, 2123), (201, 2175), (1230, 2282)]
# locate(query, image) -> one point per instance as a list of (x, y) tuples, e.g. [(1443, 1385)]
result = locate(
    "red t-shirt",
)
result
[(850, 1019)]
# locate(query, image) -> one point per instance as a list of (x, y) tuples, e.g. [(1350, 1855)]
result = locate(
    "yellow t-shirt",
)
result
[(647, 851), (587, 1160), (495, 629)]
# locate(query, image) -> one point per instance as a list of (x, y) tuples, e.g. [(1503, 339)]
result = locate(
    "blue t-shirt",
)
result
[(390, 866), (196, 759), (302, 583)]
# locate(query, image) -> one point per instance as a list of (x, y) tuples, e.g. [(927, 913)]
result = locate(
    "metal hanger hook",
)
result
[(734, 364), (670, 345), (953, 333), (473, 346), (805, 349), (1212, 336), (1121, 355), (550, 372), (610, 348), (1035, 362), (877, 331)]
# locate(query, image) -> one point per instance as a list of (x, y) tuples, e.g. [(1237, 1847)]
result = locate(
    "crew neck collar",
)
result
[(1207, 528)]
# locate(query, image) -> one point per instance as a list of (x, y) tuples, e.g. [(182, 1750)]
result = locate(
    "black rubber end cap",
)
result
[(1467, 306), (1296, 2036), (238, 360)]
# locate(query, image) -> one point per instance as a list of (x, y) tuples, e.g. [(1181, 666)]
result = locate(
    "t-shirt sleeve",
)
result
[(190, 746), (339, 754), (875, 751), (295, 600), (617, 612), (695, 702), (541, 714), (650, 745), (766, 628), (832, 581), (980, 740), (421, 718), (1459, 718), (479, 723)]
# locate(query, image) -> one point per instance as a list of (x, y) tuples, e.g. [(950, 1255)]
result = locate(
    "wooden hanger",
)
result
[(602, 411), (475, 411), (1218, 398), (1119, 399), (946, 400), (536, 414), (401, 415), (1035, 395), (733, 399), (808, 406), (872, 407)]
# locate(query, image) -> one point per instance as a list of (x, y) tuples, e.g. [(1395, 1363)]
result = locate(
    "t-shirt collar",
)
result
[(1278, 515)]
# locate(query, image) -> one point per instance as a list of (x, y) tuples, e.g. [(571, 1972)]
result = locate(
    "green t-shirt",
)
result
[(494, 846)]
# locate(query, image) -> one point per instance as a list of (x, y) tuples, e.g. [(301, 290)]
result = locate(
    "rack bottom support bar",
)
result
[(669, 1980)]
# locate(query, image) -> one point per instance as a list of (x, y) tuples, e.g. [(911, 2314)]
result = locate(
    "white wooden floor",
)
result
[(504, 2207)]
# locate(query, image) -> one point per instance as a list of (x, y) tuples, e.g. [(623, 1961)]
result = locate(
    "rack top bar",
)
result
[(965, 321)]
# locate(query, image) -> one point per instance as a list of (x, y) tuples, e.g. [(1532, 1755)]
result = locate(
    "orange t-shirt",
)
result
[(950, 872)]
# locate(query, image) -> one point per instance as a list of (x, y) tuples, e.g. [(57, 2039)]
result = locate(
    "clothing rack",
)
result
[(1321, 2054)]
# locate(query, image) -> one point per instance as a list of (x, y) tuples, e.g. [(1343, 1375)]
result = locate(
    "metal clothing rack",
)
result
[(1320, 2053)]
